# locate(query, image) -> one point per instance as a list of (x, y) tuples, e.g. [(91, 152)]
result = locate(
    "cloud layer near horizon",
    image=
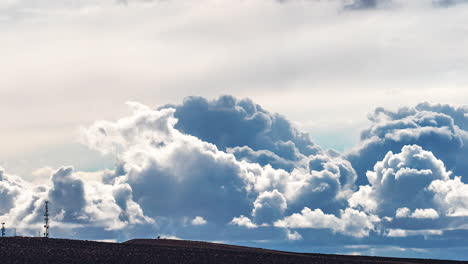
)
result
[(230, 168)]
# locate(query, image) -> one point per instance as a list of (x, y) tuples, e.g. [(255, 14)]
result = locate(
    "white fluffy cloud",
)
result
[(452, 196), (198, 221), (400, 179), (418, 213), (351, 222), (10, 188), (405, 233), (438, 128), (414, 187), (403, 212), (74, 203), (425, 213), (243, 221), (269, 206), (245, 129), (168, 169), (293, 235)]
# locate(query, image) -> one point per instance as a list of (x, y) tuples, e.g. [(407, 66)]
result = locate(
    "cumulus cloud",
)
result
[(403, 212), (244, 129), (405, 233), (108, 206), (416, 188), (425, 213), (351, 222), (198, 221), (243, 221), (169, 169), (400, 179), (412, 184), (440, 129), (269, 206), (293, 235), (452, 196), (418, 213), (74, 203), (293, 164), (10, 188)]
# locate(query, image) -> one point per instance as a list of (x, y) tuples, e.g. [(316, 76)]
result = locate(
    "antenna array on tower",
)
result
[(46, 220)]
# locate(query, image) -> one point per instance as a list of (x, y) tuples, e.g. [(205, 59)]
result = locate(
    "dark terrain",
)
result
[(42, 250)]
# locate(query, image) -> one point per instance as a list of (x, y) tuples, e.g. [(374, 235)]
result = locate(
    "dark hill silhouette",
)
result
[(42, 250)]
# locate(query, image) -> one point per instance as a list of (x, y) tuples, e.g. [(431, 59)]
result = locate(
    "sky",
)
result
[(303, 125)]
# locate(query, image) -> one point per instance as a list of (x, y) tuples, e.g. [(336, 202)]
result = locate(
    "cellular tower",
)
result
[(46, 220)]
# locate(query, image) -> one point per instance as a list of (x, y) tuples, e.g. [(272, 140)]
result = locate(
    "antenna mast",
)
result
[(3, 229), (46, 220)]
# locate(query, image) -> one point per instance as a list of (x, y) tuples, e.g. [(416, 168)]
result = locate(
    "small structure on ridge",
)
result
[(46, 220)]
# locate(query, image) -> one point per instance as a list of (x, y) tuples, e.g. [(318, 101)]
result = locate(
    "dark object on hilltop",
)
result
[(46, 220), (3, 229), (27, 250)]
